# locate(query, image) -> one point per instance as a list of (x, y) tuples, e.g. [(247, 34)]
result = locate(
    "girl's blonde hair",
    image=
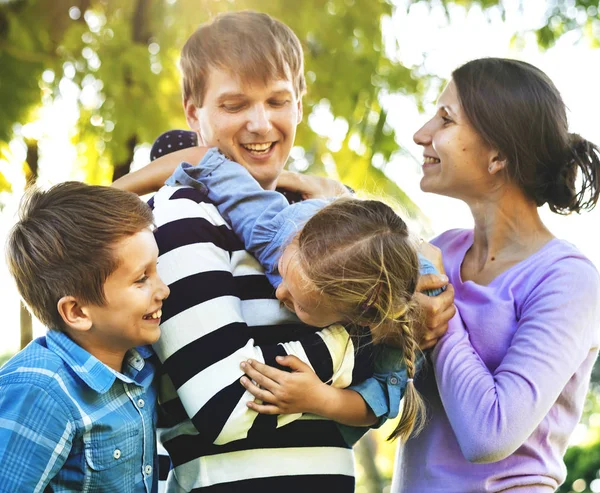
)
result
[(359, 255)]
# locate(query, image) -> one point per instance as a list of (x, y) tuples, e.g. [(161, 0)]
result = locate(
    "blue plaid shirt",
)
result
[(70, 423)]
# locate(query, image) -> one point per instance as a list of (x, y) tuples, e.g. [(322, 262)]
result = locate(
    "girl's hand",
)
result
[(311, 187), (281, 392)]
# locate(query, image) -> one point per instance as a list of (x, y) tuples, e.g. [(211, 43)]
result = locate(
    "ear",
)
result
[(191, 115), (75, 315), (497, 163), (299, 111)]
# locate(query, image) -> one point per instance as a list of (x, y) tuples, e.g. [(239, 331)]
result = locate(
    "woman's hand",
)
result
[(433, 254), (300, 391), (311, 187), (438, 309)]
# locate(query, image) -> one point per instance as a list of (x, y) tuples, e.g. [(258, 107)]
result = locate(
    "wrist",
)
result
[(325, 400)]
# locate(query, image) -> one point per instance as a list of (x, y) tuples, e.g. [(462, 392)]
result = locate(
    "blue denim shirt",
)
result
[(266, 222), (70, 423)]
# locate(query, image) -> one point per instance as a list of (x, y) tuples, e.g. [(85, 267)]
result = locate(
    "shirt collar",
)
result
[(91, 370)]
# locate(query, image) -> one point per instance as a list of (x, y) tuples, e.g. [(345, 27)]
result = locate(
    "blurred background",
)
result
[(87, 85)]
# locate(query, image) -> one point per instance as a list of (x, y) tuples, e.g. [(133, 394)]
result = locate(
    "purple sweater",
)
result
[(512, 373)]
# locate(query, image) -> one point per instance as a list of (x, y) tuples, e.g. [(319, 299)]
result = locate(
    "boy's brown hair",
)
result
[(63, 244), (250, 44)]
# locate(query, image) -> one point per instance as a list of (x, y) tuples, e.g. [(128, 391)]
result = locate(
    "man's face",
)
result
[(253, 124)]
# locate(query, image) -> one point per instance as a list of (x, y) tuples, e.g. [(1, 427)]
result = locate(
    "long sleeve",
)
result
[(35, 436), (494, 411), (205, 332), (263, 219)]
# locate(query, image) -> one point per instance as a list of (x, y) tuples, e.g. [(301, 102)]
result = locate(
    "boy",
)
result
[(77, 407)]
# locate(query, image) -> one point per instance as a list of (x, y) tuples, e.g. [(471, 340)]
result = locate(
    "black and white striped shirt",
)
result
[(222, 311)]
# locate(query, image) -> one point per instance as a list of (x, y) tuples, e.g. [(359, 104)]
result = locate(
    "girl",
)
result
[(352, 262)]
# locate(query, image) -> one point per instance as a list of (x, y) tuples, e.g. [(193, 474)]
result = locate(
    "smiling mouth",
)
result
[(430, 160), (154, 315), (259, 149)]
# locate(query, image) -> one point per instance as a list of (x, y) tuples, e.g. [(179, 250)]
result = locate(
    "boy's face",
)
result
[(300, 296), (134, 294), (253, 124)]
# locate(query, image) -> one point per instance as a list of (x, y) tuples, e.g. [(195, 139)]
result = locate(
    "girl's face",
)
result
[(300, 296), (456, 159)]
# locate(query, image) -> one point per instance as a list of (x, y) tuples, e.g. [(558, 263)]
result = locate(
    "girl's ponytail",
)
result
[(412, 419)]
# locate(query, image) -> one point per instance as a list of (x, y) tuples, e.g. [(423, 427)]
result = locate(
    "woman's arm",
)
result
[(301, 391), (153, 176), (493, 413), (310, 186)]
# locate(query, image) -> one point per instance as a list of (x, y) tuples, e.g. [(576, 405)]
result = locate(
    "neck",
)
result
[(111, 357), (506, 225)]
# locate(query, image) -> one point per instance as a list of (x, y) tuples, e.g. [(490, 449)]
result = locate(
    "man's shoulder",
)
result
[(172, 203), (184, 216)]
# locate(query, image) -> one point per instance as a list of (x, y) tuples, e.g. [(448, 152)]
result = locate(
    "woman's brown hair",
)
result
[(517, 110)]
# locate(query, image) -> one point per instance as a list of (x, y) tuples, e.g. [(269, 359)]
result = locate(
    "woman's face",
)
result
[(456, 159)]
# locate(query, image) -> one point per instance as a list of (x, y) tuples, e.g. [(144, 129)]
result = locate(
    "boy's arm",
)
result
[(35, 437), (153, 176), (263, 219), (204, 335)]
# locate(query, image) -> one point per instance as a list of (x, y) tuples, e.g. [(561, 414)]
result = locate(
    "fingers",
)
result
[(264, 408), (261, 369), (431, 281), (260, 393), (293, 362), (259, 377)]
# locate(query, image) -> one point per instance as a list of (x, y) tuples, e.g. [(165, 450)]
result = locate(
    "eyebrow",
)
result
[(449, 110), (231, 95), (281, 92), (239, 95)]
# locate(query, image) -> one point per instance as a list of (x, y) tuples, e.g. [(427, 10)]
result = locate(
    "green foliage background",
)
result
[(127, 51)]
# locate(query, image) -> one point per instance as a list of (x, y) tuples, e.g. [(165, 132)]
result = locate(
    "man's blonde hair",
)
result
[(252, 45)]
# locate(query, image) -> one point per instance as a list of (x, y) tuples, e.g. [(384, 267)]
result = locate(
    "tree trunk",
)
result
[(32, 161), (26, 326), (122, 168), (140, 35), (366, 450)]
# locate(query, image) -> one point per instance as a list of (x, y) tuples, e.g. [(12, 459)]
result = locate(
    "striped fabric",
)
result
[(70, 423), (222, 311)]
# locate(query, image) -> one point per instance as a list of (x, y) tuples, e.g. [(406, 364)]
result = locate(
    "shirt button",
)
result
[(117, 453), (141, 403), (148, 470), (393, 380)]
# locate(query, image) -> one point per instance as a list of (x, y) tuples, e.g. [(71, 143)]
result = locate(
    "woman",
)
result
[(513, 368)]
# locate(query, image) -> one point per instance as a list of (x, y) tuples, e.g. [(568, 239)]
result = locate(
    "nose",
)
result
[(259, 120), (282, 293), (422, 136), (162, 291)]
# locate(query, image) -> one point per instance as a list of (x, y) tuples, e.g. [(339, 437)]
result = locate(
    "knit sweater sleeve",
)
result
[(492, 413)]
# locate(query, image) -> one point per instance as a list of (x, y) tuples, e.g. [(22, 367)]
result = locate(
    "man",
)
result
[(242, 82)]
